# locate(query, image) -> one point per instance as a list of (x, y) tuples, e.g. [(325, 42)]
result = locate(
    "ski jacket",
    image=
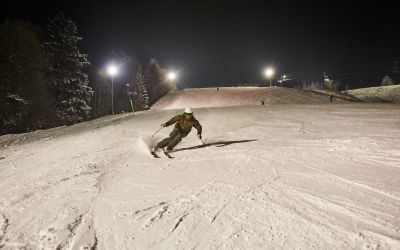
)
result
[(184, 125)]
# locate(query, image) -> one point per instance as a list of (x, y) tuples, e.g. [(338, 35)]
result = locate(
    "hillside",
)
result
[(385, 94), (236, 96)]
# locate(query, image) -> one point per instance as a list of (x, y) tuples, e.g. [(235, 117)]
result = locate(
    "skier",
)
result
[(183, 126)]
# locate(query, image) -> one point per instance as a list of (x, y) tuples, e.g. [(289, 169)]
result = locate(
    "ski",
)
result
[(168, 155), (154, 154)]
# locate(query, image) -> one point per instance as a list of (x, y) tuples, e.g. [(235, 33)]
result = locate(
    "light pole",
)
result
[(172, 76), (112, 70), (283, 78), (269, 72)]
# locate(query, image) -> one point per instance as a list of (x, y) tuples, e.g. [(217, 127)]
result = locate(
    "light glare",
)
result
[(269, 72), (171, 76), (112, 70)]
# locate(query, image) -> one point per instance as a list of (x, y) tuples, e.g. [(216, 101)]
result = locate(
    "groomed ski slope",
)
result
[(237, 96), (317, 176)]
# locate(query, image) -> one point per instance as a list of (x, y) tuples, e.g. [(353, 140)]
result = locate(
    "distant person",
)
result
[(183, 126), (331, 98), (262, 102), (217, 88)]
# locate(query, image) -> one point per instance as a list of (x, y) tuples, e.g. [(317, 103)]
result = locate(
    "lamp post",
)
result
[(283, 78), (172, 76), (112, 70), (269, 72)]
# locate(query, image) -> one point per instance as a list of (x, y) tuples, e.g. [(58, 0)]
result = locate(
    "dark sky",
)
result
[(228, 42)]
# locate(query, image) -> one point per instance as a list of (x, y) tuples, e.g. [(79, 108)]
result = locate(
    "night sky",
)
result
[(230, 42)]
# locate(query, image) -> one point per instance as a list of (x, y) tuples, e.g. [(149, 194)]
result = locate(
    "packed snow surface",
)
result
[(323, 176), (236, 96), (389, 94)]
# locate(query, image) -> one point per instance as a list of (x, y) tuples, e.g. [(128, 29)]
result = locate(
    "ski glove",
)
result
[(199, 135), (163, 125)]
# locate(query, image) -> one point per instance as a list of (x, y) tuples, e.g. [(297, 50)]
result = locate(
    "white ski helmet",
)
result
[(188, 111)]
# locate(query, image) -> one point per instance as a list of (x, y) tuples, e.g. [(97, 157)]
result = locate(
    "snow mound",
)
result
[(383, 94), (236, 96)]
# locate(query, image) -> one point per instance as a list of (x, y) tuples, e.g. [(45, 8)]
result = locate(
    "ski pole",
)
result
[(201, 141), (157, 131)]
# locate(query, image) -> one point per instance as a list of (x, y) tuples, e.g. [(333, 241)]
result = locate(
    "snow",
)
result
[(289, 176), (388, 94), (236, 96)]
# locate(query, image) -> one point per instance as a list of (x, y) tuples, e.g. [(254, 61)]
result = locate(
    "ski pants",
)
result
[(171, 141)]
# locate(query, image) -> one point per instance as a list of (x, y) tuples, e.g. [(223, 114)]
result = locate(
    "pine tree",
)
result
[(25, 90), (145, 96), (140, 94), (72, 91), (156, 81), (12, 110), (387, 81)]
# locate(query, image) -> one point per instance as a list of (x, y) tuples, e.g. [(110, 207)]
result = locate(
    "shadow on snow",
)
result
[(218, 144)]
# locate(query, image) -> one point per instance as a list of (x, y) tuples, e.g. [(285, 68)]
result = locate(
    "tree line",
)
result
[(45, 81)]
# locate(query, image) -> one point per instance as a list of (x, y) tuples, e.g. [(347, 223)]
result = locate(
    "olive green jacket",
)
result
[(184, 125)]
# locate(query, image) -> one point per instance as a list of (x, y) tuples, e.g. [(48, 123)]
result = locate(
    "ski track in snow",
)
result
[(310, 177)]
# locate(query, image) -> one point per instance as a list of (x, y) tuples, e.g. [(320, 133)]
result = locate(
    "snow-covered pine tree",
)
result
[(387, 81), (12, 110), (156, 82), (145, 96), (67, 63), (141, 92)]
